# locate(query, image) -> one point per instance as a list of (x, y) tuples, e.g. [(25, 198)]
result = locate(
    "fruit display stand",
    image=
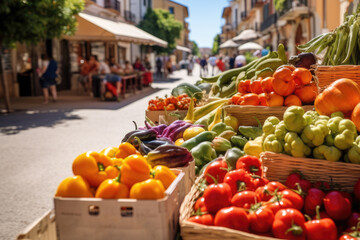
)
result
[(167, 117), (279, 166), (328, 74), (248, 115), (194, 231), (97, 219)]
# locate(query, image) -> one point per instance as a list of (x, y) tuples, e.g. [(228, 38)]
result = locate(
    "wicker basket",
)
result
[(247, 114), (194, 231), (328, 74), (279, 167)]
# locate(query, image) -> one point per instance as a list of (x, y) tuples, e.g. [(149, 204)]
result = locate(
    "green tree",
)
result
[(216, 44), (163, 25), (195, 49), (31, 21)]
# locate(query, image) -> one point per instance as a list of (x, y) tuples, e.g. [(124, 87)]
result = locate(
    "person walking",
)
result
[(212, 61), (203, 65), (159, 65), (232, 61), (48, 73), (221, 65)]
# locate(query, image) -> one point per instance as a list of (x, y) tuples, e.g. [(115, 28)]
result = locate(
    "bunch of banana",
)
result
[(342, 46)]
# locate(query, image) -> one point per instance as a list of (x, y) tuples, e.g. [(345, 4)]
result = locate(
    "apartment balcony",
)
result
[(293, 9), (129, 16), (244, 15), (227, 27), (268, 22)]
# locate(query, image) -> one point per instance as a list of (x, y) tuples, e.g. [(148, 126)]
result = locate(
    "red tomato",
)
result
[(322, 215), (232, 217), (323, 186), (337, 206), (245, 199), (261, 220), (276, 205), (217, 196), (357, 190), (348, 237), (265, 193), (217, 170), (200, 203), (296, 178), (353, 220), (313, 198), (206, 219), (244, 87), (255, 87), (266, 85), (295, 199), (239, 180), (318, 229), (250, 164), (289, 224), (259, 182)]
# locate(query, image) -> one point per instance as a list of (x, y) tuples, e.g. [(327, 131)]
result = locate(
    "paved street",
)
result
[(39, 143)]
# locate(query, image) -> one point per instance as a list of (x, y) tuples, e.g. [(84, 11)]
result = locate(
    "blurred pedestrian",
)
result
[(232, 61), (48, 74), (190, 65), (138, 65), (212, 61), (159, 65), (204, 67), (240, 61), (147, 64), (220, 64)]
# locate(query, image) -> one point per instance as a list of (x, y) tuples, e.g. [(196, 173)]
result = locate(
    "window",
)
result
[(149, 3), (107, 4), (144, 2), (171, 10)]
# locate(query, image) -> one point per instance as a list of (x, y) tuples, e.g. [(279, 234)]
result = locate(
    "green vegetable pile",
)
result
[(342, 46), (309, 134), (225, 84)]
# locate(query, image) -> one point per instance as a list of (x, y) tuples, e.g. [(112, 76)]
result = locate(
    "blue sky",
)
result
[(204, 19)]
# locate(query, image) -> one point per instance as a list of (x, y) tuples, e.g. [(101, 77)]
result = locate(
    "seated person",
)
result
[(93, 72), (115, 68), (84, 75), (128, 68), (138, 65), (109, 77)]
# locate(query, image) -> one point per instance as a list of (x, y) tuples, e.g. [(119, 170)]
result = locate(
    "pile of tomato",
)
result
[(181, 102), (242, 199), (287, 87)]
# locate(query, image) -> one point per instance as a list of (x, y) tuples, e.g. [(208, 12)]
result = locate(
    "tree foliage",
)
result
[(195, 49), (279, 5), (31, 21), (216, 44), (163, 25)]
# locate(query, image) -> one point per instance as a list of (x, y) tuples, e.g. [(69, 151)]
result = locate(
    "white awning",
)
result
[(229, 44), (246, 35), (100, 29), (184, 49), (250, 46)]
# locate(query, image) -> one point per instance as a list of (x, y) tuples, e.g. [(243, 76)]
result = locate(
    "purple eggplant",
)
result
[(172, 127), (178, 133)]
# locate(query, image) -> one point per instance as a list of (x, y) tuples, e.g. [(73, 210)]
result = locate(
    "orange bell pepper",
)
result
[(112, 188), (110, 151), (149, 189), (74, 186), (134, 169), (112, 171), (91, 166), (164, 175), (125, 149)]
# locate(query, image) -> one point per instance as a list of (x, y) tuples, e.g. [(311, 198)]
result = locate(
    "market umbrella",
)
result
[(247, 35), (229, 44), (250, 46)]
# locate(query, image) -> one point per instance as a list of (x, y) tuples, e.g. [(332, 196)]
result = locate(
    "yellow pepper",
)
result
[(149, 189), (125, 149), (192, 132), (91, 166), (164, 175), (134, 169), (112, 171), (74, 186), (117, 161), (112, 188), (110, 151)]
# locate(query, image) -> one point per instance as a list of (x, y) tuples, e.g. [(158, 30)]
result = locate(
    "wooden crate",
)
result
[(159, 117), (325, 75)]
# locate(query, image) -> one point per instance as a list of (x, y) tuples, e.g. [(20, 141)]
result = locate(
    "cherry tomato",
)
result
[(200, 204)]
